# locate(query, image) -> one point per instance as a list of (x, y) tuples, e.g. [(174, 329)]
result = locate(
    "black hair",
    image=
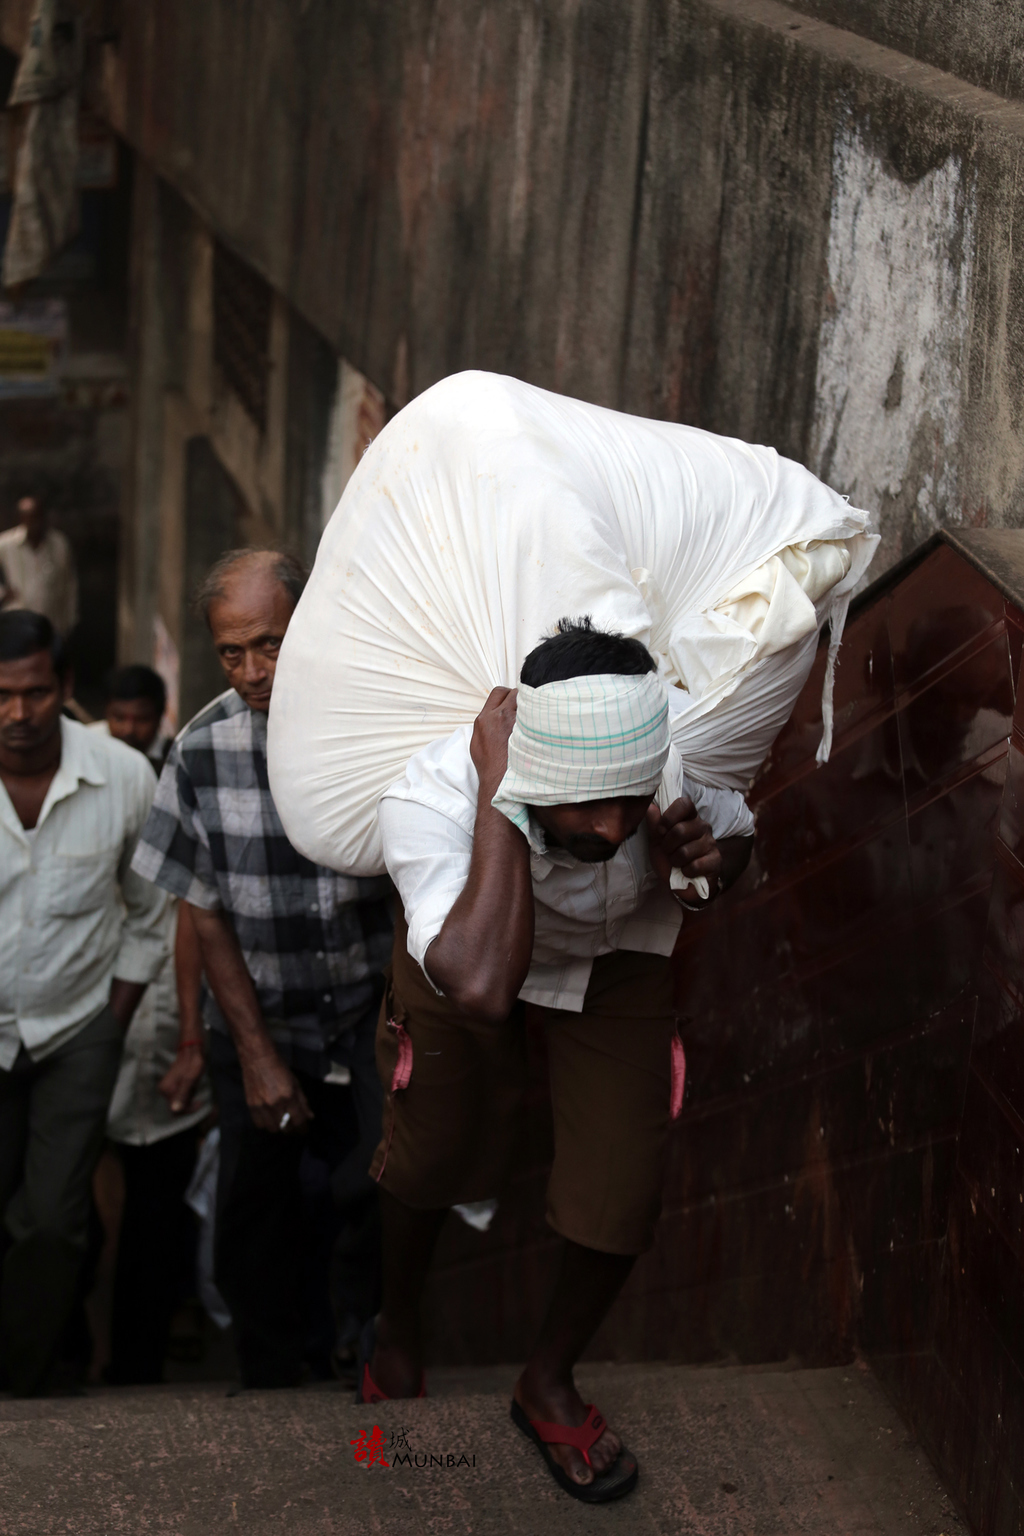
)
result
[(136, 682), (577, 649), (24, 633), (284, 567)]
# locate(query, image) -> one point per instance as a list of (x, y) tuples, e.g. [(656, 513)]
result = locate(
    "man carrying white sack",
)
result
[(537, 854), (482, 511)]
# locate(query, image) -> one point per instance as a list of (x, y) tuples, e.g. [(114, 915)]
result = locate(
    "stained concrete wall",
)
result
[(727, 212), (980, 40), (203, 476)]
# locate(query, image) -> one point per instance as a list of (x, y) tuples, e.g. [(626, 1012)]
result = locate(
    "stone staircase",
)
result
[(723, 1449)]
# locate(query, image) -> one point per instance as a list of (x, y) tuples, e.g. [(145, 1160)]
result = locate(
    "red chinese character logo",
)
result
[(370, 1447)]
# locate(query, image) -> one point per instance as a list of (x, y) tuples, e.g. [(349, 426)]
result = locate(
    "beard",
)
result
[(589, 849)]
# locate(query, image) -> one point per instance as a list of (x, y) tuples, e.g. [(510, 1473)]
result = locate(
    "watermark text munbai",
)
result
[(372, 1449)]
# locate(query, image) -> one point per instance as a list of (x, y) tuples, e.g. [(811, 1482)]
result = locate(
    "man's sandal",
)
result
[(621, 1477), (367, 1390)]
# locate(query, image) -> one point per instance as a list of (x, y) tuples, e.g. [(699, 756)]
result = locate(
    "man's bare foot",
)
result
[(396, 1370), (558, 1402)]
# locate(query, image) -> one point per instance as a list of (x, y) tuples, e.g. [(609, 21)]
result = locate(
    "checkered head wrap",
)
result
[(588, 738)]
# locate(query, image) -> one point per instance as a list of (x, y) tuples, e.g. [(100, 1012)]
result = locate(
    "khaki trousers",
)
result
[(453, 1085)]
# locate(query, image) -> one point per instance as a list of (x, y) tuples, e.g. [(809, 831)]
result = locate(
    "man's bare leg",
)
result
[(407, 1238), (588, 1282)]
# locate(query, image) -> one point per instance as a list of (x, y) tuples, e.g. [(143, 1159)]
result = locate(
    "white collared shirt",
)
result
[(580, 910), (139, 1115), (72, 913), (43, 578)]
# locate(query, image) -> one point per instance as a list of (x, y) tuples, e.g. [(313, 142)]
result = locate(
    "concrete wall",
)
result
[(202, 475), (720, 211), (980, 40)]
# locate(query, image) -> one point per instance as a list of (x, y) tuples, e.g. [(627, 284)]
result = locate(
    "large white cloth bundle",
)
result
[(485, 511)]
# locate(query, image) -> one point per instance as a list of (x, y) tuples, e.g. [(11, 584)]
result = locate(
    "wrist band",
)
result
[(703, 905), (195, 1044)]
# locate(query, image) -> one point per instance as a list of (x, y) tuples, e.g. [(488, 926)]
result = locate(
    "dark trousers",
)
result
[(271, 1268), (155, 1254), (52, 1119)]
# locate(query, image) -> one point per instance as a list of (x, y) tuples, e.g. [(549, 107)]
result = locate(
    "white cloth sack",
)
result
[(485, 511)]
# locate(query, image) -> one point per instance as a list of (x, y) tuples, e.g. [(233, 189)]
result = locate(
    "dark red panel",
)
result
[(903, 972), (900, 1297), (986, 1287), (952, 833), (776, 1031), (980, 1329), (939, 611), (992, 1162), (1011, 821), (962, 711), (842, 902), (1015, 641), (768, 1316), (998, 1053), (1004, 940), (902, 1093), (859, 790), (958, 1439)]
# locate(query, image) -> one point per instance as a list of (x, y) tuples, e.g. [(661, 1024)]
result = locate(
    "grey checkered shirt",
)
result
[(314, 941)]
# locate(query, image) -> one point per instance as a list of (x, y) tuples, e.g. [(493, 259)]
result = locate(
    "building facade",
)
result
[(794, 224)]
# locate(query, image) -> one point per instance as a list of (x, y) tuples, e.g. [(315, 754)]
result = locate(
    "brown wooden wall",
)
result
[(847, 1173)]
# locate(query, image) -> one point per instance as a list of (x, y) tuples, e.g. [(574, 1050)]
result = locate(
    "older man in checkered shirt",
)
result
[(292, 954)]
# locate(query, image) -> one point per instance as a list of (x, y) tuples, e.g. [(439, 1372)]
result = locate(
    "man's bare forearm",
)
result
[(188, 975), (125, 997), (735, 853), (482, 954), (228, 978), (275, 1099)]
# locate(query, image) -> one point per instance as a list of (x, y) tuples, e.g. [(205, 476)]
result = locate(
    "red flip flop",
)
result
[(620, 1478), (368, 1391)]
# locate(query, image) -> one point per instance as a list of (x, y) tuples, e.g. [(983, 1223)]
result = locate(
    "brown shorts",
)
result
[(453, 1085)]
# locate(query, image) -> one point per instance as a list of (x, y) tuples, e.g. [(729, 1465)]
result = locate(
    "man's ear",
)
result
[(68, 689)]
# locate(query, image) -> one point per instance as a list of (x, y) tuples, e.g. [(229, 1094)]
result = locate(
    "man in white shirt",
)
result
[(162, 1094), (80, 938), (37, 568), (543, 856)]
